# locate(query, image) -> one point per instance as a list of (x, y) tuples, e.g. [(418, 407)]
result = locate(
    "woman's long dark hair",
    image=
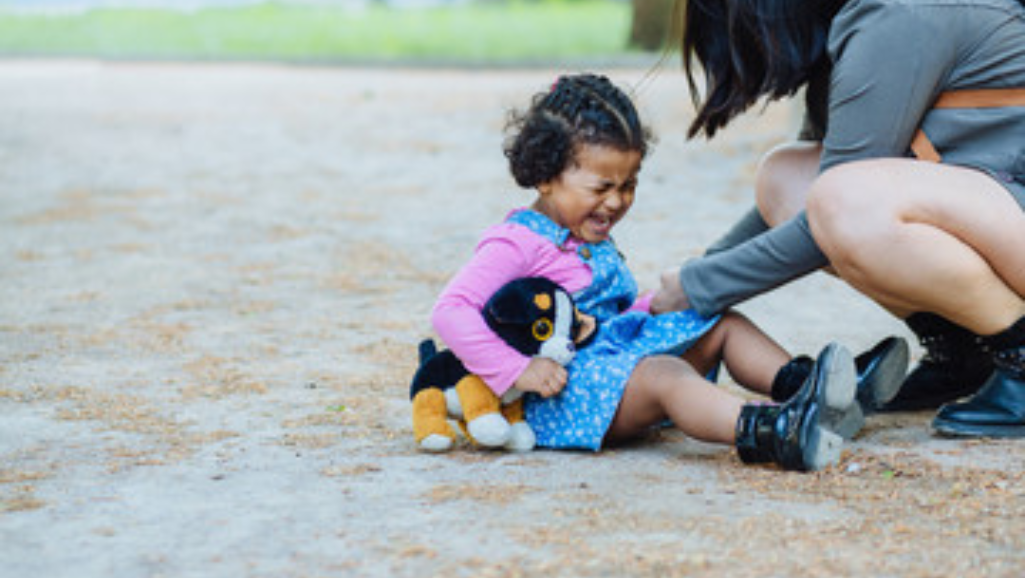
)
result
[(750, 49)]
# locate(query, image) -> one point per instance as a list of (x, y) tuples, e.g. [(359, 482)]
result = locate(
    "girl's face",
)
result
[(592, 194)]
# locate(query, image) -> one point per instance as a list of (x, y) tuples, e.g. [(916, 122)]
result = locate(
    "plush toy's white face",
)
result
[(559, 346)]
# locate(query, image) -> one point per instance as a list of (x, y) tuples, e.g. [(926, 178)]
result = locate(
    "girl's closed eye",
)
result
[(590, 197), (626, 186)]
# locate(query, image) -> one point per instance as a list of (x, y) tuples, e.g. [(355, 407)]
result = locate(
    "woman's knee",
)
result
[(849, 212)]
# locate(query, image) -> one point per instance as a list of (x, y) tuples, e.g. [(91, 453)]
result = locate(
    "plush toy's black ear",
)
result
[(513, 310), (514, 302)]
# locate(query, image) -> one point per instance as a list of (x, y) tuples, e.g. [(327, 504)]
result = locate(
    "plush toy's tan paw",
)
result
[(480, 405), (430, 424), (476, 398)]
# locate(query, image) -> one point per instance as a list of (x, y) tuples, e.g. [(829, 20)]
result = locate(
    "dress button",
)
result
[(585, 252)]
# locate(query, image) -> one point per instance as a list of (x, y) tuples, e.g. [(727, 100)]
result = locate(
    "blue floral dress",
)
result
[(581, 414)]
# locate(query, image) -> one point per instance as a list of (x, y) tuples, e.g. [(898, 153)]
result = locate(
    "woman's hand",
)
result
[(543, 376), (670, 296)]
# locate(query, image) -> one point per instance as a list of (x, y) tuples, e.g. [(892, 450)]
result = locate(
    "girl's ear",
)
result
[(545, 188)]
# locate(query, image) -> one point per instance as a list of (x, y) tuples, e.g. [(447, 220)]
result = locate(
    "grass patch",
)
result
[(491, 32)]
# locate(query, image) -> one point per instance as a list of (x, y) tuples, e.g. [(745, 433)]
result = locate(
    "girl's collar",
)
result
[(543, 225)]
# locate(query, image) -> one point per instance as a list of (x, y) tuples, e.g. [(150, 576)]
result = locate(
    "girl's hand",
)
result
[(670, 296), (542, 376)]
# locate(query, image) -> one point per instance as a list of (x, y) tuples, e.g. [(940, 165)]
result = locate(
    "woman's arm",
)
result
[(716, 282), (887, 71)]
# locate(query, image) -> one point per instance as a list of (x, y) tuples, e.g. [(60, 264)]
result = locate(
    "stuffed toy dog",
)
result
[(534, 316)]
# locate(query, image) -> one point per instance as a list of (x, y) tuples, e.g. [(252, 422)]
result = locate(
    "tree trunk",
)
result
[(650, 26)]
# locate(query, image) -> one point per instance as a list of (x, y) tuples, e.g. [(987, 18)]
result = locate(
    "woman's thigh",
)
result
[(918, 236), (868, 200)]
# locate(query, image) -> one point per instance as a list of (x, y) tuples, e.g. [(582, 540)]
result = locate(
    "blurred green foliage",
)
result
[(490, 32)]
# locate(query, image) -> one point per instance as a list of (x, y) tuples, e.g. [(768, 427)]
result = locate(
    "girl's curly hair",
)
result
[(581, 109)]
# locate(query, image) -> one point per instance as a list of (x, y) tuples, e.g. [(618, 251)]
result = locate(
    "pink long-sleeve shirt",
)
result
[(506, 252)]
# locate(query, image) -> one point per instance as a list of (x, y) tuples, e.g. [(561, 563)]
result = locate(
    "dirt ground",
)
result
[(214, 278)]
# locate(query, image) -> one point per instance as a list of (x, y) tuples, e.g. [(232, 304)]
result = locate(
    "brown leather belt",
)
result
[(980, 98)]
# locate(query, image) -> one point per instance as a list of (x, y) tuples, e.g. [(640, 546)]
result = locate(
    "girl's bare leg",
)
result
[(752, 357), (665, 387), (793, 435), (668, 387), (921, 236)]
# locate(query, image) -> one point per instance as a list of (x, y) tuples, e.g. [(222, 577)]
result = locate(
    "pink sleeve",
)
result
[(643, 303), (457, 314)]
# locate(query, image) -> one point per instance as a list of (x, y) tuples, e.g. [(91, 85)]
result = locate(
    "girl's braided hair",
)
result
[(581, 109)]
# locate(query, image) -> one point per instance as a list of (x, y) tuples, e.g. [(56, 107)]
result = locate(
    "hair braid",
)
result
[(579, 109)]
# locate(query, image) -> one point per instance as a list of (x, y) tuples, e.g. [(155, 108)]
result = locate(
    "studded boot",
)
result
[(795, 435), (954, 365), (998, 409)]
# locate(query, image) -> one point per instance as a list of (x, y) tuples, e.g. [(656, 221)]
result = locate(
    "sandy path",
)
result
[(213, 280)]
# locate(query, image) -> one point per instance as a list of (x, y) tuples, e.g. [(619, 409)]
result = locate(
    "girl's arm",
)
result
[(458, 320), (643, 302)]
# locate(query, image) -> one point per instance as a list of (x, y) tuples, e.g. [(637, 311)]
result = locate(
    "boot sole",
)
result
[(839, 378), (883, 382), (822, 449), (838, 382), (848, 423), (880, 385), (943, 391)]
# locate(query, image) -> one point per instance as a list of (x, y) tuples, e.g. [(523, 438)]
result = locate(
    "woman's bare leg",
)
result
[(921, 236), (783, 179), (668, 387)]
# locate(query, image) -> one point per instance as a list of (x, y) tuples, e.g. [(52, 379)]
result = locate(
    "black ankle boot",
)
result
[(791, 377), (880, 371), (998, 409), (794, 435), (954, 365)]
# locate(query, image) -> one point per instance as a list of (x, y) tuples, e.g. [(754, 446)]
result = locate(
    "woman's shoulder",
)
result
[(918, 22), (853, 10)]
